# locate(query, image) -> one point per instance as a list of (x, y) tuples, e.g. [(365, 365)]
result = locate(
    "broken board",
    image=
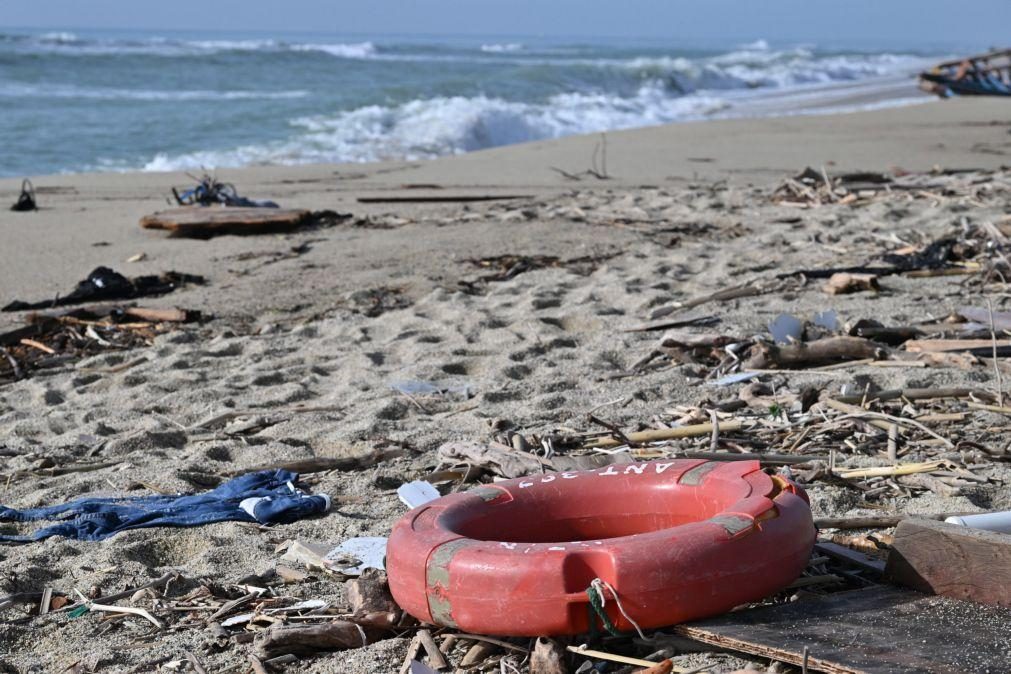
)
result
[(952, 560), (876, 630), (204, 222)]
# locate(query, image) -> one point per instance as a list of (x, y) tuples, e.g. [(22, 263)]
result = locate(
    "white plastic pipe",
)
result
[(1000, 522)]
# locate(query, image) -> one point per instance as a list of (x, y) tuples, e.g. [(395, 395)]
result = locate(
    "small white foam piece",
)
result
[(366, 552), (419, 492)]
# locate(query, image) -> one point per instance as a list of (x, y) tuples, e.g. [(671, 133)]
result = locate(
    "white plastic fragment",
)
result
[(736, 378), (244, 618), (786, 329), (357, 554), (419, 492), (999, 522)]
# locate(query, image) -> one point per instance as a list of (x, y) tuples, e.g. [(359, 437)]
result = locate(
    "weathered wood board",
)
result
[(977, 347), (952, 560), (204, 222), (877, 630)]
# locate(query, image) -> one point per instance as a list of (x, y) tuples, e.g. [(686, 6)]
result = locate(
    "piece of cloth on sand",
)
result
[(267, 497)]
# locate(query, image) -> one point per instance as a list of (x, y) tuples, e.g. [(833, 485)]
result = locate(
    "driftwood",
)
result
[(436, 658), (867, 632), (477, 654), (765, 459), (204, 222), (916, 394), (659, 435), (808, 354), (548, 657), (892, 336), (307, 639), (977, 347), (952, 560), (371, 601), (843, 283), (162, 315)]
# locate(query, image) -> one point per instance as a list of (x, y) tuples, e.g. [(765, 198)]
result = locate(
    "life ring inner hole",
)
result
[(554, 516)]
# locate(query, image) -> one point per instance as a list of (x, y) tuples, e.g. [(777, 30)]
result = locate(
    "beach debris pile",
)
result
[(813, 188), (56, 340), (504, 267), (808, 393), (881, 446), (209, 191), (986, 74)]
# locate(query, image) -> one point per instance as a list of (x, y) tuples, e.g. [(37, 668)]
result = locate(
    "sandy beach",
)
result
[(328, 318)]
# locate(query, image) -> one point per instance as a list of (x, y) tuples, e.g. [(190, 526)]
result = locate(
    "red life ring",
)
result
[(676, 540)]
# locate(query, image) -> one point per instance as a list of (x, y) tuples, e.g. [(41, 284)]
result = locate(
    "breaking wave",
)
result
[(449, 125), (339, 100)]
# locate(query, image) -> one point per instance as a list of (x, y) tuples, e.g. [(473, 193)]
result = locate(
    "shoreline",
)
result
[(81, 213)]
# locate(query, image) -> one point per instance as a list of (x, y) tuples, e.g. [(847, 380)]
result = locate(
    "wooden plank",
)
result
[(850, 556), (952, 560), (203, 222), (977, 347), (876, 630)]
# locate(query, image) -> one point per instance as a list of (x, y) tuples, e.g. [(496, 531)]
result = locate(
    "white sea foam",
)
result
[(449, 125), (357, 50), (58, 38), (503, 48)]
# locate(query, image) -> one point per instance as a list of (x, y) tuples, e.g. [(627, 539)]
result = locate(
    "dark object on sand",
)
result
[(105, 284), (204, 223), (26, 202), (209, 191), (867, 631), (982, 75)]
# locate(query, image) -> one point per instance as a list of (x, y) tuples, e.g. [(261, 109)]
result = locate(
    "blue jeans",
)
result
[(267, 497)]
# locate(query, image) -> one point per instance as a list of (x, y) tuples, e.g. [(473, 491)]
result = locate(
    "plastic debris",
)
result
[(786, 329), (736, 378), (357, 554), (413, 387), (419, 492), (999, 521), (827, 319)]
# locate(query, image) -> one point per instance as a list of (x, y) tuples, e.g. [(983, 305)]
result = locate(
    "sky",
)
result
[(872, 22)]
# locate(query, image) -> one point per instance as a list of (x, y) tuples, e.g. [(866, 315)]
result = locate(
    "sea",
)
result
[(89, 100)]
